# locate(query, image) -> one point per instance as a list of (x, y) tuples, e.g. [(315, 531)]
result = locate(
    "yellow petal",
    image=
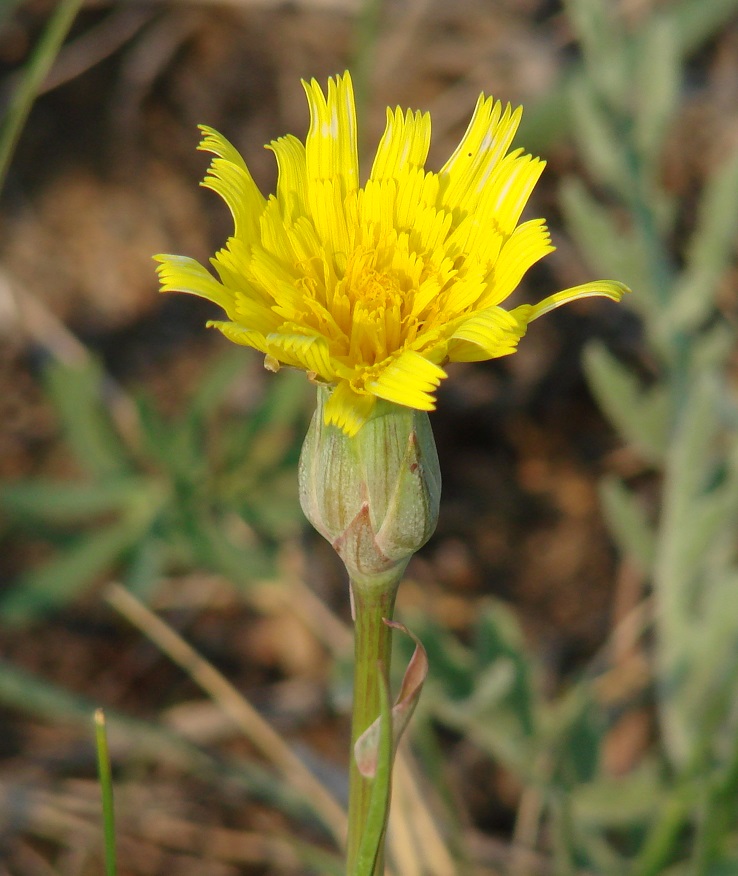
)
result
[(331, 145), (230, 178), (311, 353), (486, 335), (529, 243), (183, 274), (348, 410), (509, 189), (408, 380), (239, 335), (292, 175), (404, 145), (600, 288), (484, 144), (326, 209)]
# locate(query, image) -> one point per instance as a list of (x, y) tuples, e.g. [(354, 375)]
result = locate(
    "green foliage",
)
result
[(491, 692), (682, 422), (158, 493), (487, 691)]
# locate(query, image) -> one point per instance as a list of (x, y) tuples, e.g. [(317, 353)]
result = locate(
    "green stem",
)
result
[(106, 787), (372, 653), (33, 77)]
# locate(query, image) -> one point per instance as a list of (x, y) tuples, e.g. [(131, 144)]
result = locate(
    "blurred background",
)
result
[(578, 601)]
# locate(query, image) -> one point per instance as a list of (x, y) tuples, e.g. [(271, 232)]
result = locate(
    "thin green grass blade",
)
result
[(153, 742), (106, 788), (33, 76)]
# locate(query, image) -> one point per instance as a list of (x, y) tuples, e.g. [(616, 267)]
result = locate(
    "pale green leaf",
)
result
[(62, 579), (610, 249), (641, 415), (696, 21), (600, 33), (78, 393), (711, 249), (597, 136), (65, 503), (628, 522), (658, 74), (619, 802)]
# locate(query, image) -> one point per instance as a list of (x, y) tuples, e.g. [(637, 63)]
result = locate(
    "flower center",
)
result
[(370, 302), (374, 291)]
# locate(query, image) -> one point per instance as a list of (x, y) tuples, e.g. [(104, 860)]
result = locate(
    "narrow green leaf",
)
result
[(147, 561), (611, 250), (663, 833), (178, 445), (368, 745), (601, 35), (215, 382), (658, 74), (641, 415), (711, 249), (628, 523), (78, 395), (579, 754), (62, 579), (707, 518), (691, 462), (242, 563), (66, 503), (610, 802), (106, 788), (597, 137), (695, 21), (692, 517)]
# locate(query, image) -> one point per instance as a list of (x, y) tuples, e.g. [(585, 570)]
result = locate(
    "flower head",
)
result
[(372, 288)]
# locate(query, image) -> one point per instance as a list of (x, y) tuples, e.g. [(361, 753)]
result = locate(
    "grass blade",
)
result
[(106, 787), (33, 76)]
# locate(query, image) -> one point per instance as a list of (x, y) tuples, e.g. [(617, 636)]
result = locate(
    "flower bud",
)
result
[(373, 495)]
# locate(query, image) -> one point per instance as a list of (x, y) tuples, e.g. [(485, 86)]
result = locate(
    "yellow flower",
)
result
[(372, 288)]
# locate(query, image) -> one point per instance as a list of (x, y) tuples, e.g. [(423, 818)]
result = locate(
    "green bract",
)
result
[(373, 495)]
